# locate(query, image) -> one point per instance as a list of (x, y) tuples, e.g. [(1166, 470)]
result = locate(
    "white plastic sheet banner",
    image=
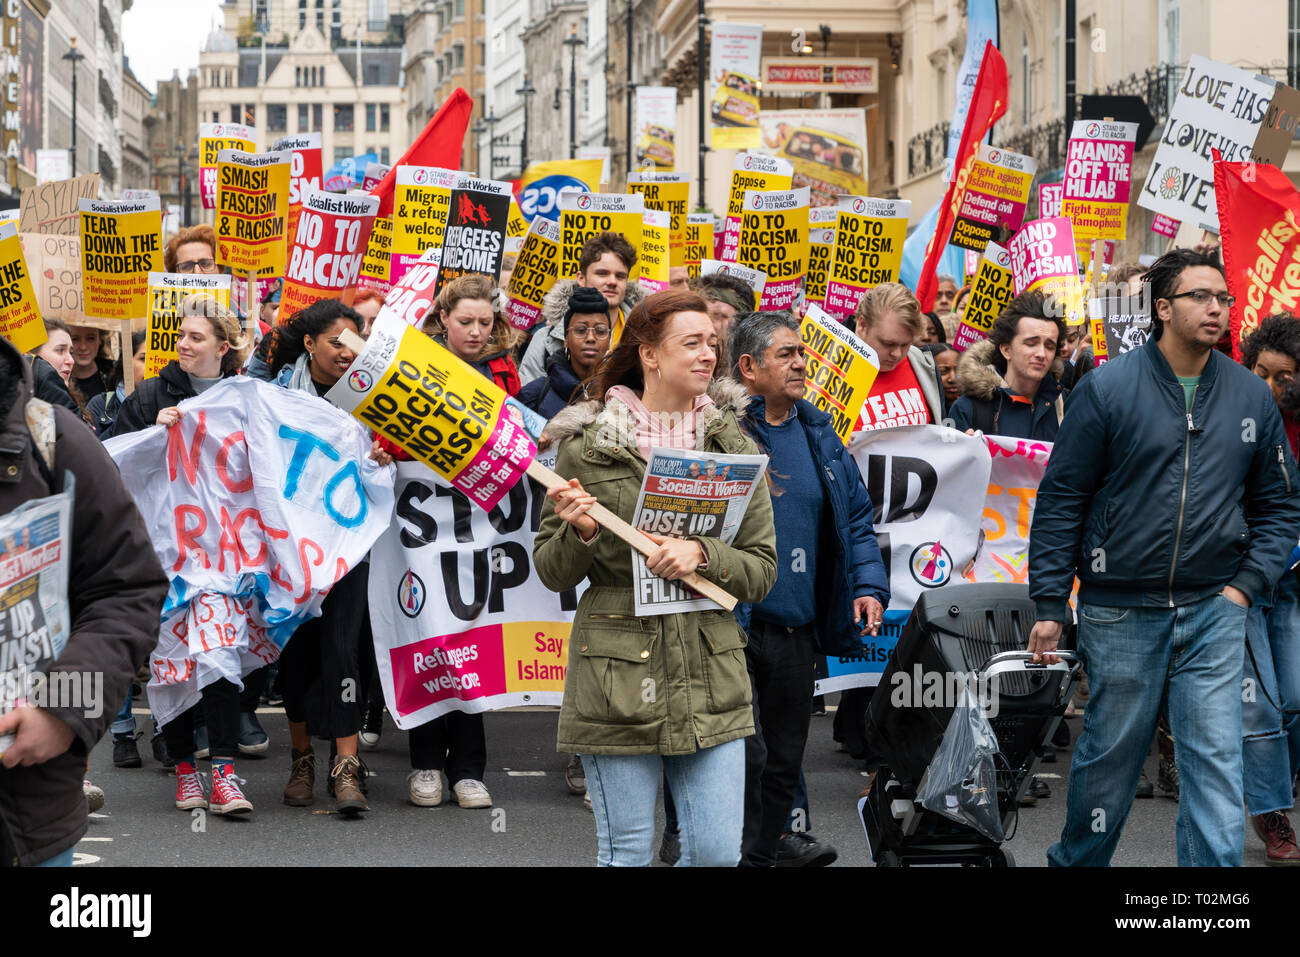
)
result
[(257, 502), (461, 620)]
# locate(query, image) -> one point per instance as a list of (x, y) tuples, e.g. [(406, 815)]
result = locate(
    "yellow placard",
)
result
[(213, 138), (535, 272), (699, 241), (374, 265), (652, 265), (421, 200), (669, 192), (253, 211), (869, 235), (821, 241), (121, 243), (20, 319), (516, 225), (167, 291), (840, 369), (774, 240), (991, 289), (583, 215)]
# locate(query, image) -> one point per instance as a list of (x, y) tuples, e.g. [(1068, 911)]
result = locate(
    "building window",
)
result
[(460, 8), (277, 118), (317, 116), (320, 15), (297, 76), (250, 114), (383, 120), (302, 118), (235, 113), (370, 117), (343, 118), (302, 13), (459, 51), (378, 15), (336, 14), (341, 153), (383, 155), (261, 20)]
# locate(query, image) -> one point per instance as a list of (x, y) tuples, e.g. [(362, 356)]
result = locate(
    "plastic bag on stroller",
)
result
[(961, 781)]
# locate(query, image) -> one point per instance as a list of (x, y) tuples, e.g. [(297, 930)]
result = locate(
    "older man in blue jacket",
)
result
[(1170, 494), (831, 586)]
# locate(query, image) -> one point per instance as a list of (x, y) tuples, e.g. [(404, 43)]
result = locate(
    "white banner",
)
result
[(1017, 469), (460, 619), (252, 542)]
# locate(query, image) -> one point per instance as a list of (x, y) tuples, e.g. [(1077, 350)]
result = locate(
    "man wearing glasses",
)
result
[(192, 250), (1170, 493)]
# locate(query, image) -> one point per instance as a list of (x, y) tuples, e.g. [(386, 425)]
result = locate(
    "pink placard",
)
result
[(1043, 249), (1050, 196), (466, 665), (1165, 226)]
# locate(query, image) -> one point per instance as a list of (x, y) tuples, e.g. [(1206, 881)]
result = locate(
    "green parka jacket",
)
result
[(665, 684)]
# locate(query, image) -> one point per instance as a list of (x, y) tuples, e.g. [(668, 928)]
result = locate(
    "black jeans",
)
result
[(220, 710), (454, 743), (780, 663)]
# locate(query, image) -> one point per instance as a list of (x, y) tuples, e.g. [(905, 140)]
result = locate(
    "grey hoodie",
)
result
[(549, 342)]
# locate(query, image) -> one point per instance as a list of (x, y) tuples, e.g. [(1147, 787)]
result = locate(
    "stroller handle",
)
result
[(1008, 661)]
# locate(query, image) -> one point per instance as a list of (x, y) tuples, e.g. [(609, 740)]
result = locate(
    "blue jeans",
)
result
[(1271, 750), (58, 860), (708, 788), (1191, 656), (124, 723)]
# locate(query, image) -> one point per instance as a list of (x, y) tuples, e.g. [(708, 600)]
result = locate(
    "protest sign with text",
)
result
[(1097, 170), (750, 171), (375, 263), (536, 271), (167, 291), (474, 241), (411, 299), (583, 215), (20, 314), (698, 241), (327, 249), (839, 369), (516, 228), (993, 202), (121, 243), (670, 193), (54, 263), (991, 290), (756, 279), (213, 138), (1043, 257), (1050, 198), (252, 211), (821, 244), (1016, 469), (421, 202), (305, 171), (868, 249), (51, 208), (651, 269), (774, 241)]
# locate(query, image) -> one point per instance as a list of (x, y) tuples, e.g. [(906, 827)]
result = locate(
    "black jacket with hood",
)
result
[(548, 339), (116, 590), (988, 404)]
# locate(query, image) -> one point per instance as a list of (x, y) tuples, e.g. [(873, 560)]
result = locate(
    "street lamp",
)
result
[(74, 56), (573, 41), (486, 125), (527, 91)]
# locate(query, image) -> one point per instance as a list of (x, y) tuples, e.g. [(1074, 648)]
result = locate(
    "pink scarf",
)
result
[(660, 429)]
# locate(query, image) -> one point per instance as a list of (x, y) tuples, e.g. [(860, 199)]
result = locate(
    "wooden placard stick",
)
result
[(254, 306), (1098, 264)]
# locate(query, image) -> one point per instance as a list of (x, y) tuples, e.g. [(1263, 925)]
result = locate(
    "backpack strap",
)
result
[(40, 424)]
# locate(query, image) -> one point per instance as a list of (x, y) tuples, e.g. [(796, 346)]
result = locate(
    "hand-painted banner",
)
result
[(756, 278), (167, 291), (536, 271), (734, 59), (839, 370), (542, 183), (437, 408), (213, 138), (121, 243), (54, 266), (1219, 107), (655, 127), (750, 171), (652, 264), (327, 249), (698, 241), (993, 288), (421, 202), (20, 316), (1258, 210), (460, 619), (411, 299), (305, 173), (868, 250), (928, 485), (774, 241), (252, 211), (993, 202), (583, 215), (670, 193), (1043, 257), (252, 542), (1017, 467), (51, 208), (474, 241), (1097, 169)]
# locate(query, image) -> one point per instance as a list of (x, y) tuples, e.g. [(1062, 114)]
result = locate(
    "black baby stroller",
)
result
[(971, 634)]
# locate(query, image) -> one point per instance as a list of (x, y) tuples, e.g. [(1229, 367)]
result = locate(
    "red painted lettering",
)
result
[(187, 538), (235, 439), (176, 448)]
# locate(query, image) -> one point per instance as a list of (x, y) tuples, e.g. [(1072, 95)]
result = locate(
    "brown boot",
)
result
[(346, 775), (302, 779), (1274, 829)]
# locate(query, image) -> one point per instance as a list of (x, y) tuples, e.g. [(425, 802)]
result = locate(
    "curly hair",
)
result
[(203, 233), (287, 337)]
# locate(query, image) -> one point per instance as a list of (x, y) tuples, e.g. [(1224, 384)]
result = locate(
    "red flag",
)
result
[(1259, 222), (439, 144), (987, 104)]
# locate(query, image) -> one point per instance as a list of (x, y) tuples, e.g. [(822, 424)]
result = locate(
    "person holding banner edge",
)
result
[(669, 692), (1182, 443)]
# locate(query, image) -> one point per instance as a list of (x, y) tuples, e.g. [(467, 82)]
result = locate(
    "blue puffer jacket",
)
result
[(849, 565), (988, 404), (549, 395), (1154, 506)]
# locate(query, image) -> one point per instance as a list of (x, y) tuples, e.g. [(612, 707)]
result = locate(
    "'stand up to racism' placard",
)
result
[(869, 236), (990, 294), (774, 240), (536, 271), (583, 215), (750, 171), (213, 138), (1043, 257), (993, 202), (1097, 179), (421, 200), (121, 243)]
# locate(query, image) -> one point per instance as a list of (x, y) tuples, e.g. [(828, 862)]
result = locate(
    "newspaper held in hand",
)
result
[(34, 619), (689, 494)]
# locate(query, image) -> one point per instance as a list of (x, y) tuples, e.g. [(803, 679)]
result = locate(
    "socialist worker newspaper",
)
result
[(685, 494)]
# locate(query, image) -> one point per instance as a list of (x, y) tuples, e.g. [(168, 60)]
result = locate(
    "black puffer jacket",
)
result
[(116, 591), (49, 385), (140, 410)]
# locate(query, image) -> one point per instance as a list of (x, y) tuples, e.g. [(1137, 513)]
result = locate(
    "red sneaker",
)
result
[(226, 796), (1274, 829), (189, 787)]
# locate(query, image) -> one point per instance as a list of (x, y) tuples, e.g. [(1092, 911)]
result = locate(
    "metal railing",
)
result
[(925, 151)]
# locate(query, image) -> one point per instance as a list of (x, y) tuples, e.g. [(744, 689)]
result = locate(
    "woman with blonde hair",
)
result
[(466, 318)]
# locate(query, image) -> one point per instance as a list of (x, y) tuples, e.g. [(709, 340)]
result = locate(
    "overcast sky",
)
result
[(159, 36)]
